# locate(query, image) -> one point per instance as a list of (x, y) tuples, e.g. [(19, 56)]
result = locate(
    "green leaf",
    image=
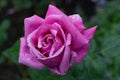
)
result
[(13, 52), (92, 46), (99, 64), (111, 46), (45, 74), (5, 24), (22, 4), (3, 3), (2, 58), (38, 74), (3, 37)]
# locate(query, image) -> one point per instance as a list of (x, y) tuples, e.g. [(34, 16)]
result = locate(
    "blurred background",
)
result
[(103, 59)]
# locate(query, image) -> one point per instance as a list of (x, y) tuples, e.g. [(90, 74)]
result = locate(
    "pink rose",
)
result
[(54, 42)]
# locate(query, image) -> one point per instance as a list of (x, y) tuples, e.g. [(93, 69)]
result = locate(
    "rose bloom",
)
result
[(54, 42)]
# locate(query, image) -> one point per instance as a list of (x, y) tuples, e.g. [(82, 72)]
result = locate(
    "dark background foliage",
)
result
[(103, 59)]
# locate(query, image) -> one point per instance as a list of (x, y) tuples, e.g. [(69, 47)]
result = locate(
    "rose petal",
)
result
[(51, 51), (47, 42), (66, 60), (26, 57), (34, 37), (54, 32), (39, 43), (77, 21), (65, 63), (69, 39), (60, 30), (73, 56), (78, 40), (32, 23), (60, 37), (82, 53), (89, 33), (53, 61), (53, 10), (75, 17), (55, 71), (57, 44)]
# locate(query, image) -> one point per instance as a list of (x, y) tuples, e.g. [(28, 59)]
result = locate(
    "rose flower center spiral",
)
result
[(46, 44)]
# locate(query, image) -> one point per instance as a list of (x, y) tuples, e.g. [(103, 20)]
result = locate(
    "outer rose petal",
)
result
[(66, 59), (77, 21), (32, 23), (66, 24), (26, 57), (65, 63), (54, 60), (53, 10), (89, 33), (82, 53)]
